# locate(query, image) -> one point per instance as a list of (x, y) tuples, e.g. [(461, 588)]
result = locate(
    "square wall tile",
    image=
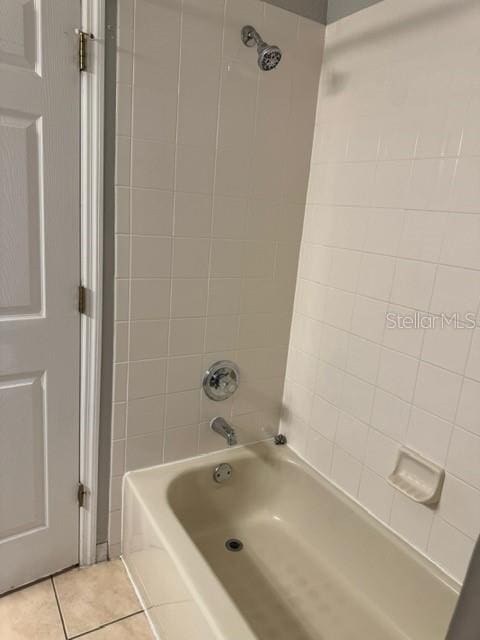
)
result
[(383, 231), (391, 183), (181, 442), (457, 291), (351, 436), (186, 336), (154, 114), (183, 408), (422, 236), (151, 257), (460, 506), (463, 458), (402, 332), (224, 296), (319, 451), (357, 398), (152, 212), (150, 298), (221, 333), (346, 471), (376, 276), (233, 172), (462, 238), (193, 215), (148, 339), (190, 257), (147, 378), (390, 415), (194, 169), (184, 373), (369, 318), (153, 164), (381, 453), (437, 391), (329, 383), (229, 217), (429, 435), (413, 284), (145, 415), (189, 297), (144, 451), (227, 256), (447, 346), (324, 417), (412, 520), (397, 373), (376, 494)]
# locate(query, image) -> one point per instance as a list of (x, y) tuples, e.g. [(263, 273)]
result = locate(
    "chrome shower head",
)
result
[(268, 55)]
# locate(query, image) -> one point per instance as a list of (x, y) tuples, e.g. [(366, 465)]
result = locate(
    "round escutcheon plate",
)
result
[(221, 380)]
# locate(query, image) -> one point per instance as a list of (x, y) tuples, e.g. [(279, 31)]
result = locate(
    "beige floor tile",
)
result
[(31, 614), (135, 628), (94, 596)]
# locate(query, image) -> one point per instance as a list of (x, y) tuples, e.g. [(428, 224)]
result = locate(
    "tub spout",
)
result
[(221, 426)]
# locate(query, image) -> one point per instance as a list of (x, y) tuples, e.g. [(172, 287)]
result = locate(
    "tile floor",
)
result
[(95, 603)]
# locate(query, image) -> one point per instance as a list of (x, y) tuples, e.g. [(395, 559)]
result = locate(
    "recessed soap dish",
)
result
[(418, 478)]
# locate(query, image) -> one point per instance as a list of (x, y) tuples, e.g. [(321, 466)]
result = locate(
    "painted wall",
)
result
[(393, 225), (313, 9), (211, 178), (324, 11), (338, 9)]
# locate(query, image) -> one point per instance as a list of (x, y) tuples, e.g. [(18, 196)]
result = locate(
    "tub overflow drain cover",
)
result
[(234, 545)]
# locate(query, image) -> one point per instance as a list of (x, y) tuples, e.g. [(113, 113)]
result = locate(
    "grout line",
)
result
[(130, 257), (107, 624), (59, 608), (170, 317)]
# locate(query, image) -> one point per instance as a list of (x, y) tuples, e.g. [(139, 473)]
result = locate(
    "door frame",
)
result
[(91, 267)]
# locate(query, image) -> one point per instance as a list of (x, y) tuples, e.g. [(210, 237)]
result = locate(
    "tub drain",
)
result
[(234, 545)]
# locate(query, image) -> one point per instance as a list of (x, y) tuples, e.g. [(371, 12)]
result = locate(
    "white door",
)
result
[(39, 276)]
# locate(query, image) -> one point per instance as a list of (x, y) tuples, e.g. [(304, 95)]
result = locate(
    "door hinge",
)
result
[(81, 494), (83, 38), (82, 299)]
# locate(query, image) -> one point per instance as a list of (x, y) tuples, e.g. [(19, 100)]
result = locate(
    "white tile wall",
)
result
[(211, 179), (392, 224)]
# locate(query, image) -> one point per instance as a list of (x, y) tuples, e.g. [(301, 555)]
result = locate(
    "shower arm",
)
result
[(251, 37)]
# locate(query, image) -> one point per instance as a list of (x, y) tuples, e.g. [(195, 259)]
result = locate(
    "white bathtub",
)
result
[(314, 566)]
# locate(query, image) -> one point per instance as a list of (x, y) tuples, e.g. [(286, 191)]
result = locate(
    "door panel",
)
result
[(39, 276), (20, 267), (23, 401)]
